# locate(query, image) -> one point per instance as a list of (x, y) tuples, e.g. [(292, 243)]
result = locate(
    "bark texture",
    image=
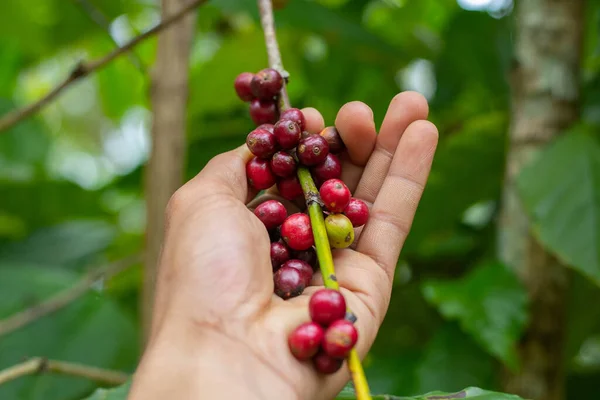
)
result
[(164, 175), (545, 101)]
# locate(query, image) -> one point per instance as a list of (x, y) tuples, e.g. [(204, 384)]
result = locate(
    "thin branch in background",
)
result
[(65, 297), (102, 21), (41, 365), (83, 69), (267, 21)]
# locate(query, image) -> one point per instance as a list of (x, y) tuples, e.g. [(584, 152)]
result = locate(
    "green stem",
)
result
[(311, 194)]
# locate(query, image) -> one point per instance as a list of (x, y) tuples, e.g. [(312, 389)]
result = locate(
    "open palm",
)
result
[(218, 330)]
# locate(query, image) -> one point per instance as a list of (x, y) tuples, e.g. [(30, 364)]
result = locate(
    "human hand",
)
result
[(218, 330)]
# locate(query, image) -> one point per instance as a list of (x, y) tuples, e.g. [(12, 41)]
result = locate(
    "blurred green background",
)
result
[(71, 187)]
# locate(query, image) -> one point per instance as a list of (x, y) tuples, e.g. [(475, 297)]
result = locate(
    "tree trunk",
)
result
[(164, 175), (545, 101)]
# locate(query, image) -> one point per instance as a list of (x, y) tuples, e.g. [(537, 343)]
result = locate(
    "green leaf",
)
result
[(452, 361), (473, 393), (65, 244), (489, 303), (118, 393), (561, 192), (93, 331)]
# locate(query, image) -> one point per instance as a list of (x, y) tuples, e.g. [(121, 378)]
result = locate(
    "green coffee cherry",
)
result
[(339, 231)]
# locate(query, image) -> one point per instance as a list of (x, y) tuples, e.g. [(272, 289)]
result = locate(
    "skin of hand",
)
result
[(218, 330)]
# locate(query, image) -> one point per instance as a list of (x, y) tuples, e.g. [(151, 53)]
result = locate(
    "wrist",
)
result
[(205, 364)]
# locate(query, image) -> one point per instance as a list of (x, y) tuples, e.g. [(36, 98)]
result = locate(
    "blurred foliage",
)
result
[(71, 178)]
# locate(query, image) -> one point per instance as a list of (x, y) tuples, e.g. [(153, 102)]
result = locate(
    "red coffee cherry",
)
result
[(296, 231), (259, 174), (340, 338), (357, 212), (242, 86), (305, 340), (326, 306)]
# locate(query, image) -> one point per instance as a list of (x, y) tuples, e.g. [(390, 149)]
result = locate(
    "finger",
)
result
[(356, 126), (314, 120), (396, 203), (404, 108)]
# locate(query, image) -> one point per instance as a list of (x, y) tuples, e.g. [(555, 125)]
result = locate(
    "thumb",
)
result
[(224, 174)]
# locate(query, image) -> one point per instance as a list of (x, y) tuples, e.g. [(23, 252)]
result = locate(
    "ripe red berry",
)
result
[(326, 364), (305, 340), (283, 164), (296, 231), (266, 84), (287, 133), (335, 195), (288, 282), (295, 115), (263, 111), (261, 143), (326, 306), (242, 86), (340, 338), (309, 256), (259, 174), (267, 127), (312, 150), (331, 168), (304, 268), (357, 212), (333, 138), (279, 255), (271, 213), (289, 188)]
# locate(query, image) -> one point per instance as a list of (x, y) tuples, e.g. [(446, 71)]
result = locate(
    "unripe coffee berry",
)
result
[(287, 133), (312, 150), (357, 212), (326, 306), (261, 143), (263, 111), (330, 168), (304, 268), (296, 232), (289, 188), (305, 341), (266, 84), (283, 164), (259, 174), (242, 86), (271, 213), (333, 138), (335, 195), (340, 338), (339, 231), (295, 115), (267, 127), (288, 282), (279, 255), (326, 364)]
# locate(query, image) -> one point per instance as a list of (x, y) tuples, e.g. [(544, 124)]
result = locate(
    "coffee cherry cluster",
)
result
[(293, 257), (328, 337), (261, 91)]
